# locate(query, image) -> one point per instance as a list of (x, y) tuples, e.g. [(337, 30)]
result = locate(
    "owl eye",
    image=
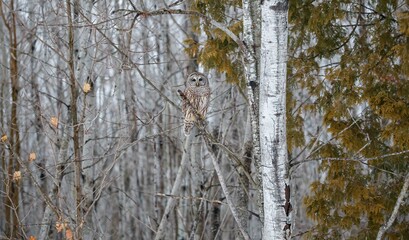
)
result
[(200, 79), (193, 80)]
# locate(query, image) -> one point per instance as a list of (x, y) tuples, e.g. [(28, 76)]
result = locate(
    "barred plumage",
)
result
[(197, 93)]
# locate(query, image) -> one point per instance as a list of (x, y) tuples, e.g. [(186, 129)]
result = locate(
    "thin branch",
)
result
[(135, 66), (334, 137), (360, 160), (402, 195), (187, 12), (58, 100), (189, 198), (175, 3)]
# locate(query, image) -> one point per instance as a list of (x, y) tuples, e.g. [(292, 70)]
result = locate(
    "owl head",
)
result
[(196, 79)]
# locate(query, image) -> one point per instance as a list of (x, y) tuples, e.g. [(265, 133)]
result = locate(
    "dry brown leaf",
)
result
[(17, 176), (54, 121), (3, 138), (59, 226), (86, 88), (32, 238), (68, 234), (32, 157)]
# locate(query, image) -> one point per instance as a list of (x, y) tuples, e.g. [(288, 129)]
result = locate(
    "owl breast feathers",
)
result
[(197, 94)]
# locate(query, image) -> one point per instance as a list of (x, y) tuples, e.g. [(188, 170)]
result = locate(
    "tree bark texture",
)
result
[(272, 117), (11, 201), (75, 123), (161, 232), (251, 38)]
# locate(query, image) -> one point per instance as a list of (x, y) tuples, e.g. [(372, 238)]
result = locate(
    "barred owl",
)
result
[(197, 93)]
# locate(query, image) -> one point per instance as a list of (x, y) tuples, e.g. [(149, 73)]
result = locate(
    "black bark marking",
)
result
[(287, 207), (253, 84), (280, 6)]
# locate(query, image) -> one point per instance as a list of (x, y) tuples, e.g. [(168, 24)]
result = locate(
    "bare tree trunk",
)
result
[(251, 36), (75, 124), (273, 119), (52, 195), (197, 184), (244, 186), (3, 81), (85, 54), (62, 138), (40, 139), (12, 189), (158, 175), (215, 208), (161, 232)]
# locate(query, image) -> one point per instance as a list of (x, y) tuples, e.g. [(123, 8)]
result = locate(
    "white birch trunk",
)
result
[(272, 117), (253, 82)]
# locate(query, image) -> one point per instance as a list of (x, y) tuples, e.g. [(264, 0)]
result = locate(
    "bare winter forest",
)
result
[(306, 135)]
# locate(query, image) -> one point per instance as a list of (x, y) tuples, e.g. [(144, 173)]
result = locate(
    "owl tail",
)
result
[(187, 128)]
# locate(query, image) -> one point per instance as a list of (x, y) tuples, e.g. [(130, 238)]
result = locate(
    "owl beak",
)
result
[(197, 83)]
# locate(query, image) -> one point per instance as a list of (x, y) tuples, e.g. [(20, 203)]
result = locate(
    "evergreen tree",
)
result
[(351, 60)]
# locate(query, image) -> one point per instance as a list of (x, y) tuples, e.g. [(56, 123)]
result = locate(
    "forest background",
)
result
[(91, 125)]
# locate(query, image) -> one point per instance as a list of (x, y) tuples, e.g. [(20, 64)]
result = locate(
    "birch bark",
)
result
[(250, 35), (272, 117)]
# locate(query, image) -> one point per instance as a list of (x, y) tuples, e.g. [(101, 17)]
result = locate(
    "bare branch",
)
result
[(163, 11), (402, 195), (355, 159)]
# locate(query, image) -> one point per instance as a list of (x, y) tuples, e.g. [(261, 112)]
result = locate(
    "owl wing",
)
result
[(203, 101), (198, 99), (188, 114), (187, 104)]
